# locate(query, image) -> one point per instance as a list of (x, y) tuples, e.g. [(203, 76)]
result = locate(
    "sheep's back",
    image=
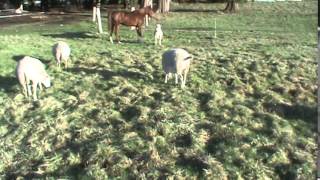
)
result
[(61, 51), (183, 61), (176, 60), (31, 68), (169, 61)]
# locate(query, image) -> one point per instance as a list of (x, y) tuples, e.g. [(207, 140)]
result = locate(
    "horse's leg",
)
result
[(111, 31), (117, 28), (139, 32)]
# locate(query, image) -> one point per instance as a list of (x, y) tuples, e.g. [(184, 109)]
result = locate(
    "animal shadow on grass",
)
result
[(195, 163), (17, 58), (195, 10), (184, 140), (193, 29), (131, 42), (203, 99), (107, 74), (71, 35), (83, 148), (7, 83), (296, 111), (130, 113)]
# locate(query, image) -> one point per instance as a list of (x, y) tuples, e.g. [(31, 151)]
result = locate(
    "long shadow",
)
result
[(296, 111), (195, 163), (268, 127), (71, 35), (7, 83), (193, 29), (107, 75), (204, 99), (17, 58), (184, 140), (130, 113), (195, 10), (130, 42)]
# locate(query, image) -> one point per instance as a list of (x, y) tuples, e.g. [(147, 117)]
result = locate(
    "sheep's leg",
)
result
[(28, 87), (185, 76), (160, 42), (182, 81), (25, 91), (40, 87), (176, 76), (166, 79), (155, 41), (65, 64), (34, 88)]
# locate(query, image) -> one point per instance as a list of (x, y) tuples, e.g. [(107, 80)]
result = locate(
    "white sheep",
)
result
[(158, 35), (176, 61), (61, 52), (32, 70)]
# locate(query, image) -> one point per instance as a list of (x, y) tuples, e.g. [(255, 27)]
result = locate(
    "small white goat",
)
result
[(158, 35), (32, 70), (61, 52), (176, 61)]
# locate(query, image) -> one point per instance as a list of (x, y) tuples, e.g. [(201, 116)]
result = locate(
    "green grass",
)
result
[(248, 111)]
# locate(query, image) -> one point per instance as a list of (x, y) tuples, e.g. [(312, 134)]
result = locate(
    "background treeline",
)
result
[(80, 4)]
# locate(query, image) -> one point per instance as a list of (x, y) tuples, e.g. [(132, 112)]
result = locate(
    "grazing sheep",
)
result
[(158, 35), (61, 52), (176, 61), (32, 70)]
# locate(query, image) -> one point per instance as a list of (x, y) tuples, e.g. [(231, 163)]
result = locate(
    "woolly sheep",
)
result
[(32, 70), (176, 61), (61, 52)]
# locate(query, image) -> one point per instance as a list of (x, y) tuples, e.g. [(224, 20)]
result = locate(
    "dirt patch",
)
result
[(55, 16), (43, 18)]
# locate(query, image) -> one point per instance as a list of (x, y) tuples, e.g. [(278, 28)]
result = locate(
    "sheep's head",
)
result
[(46, 81)]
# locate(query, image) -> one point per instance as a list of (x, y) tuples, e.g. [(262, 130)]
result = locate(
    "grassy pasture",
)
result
[(248, 112)]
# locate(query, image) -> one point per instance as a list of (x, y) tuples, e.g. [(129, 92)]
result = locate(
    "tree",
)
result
[(96, 14), (164, 6), (45, 5), (231, 7), (145, 4)]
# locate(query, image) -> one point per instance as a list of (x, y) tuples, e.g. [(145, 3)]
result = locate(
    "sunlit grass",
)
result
[(248, 111)]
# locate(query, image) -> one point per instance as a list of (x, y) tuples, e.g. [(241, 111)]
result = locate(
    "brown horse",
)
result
[(134, 18)]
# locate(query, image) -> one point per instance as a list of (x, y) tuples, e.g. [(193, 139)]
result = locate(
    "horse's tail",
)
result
[(109, 21)]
